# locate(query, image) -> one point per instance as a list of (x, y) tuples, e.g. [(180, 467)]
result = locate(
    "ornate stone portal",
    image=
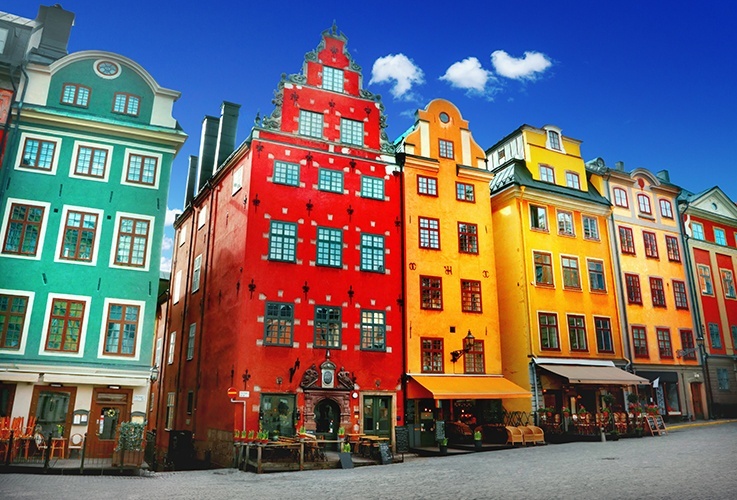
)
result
[(333, 390)]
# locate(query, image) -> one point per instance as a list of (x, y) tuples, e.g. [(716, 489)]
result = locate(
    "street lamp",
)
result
[(467, 346), (154, 373)]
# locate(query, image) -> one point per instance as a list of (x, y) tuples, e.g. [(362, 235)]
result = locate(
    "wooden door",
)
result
[(377, 415), (53, 408), (698, 407), (110, 407)]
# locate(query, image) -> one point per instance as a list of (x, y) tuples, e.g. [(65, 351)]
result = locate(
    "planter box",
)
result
[(127, 458)]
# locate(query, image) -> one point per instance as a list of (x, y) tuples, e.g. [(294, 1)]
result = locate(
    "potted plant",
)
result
[(59, 430), (341, 432), (236, 435), (639, 431), (613, 435), (477, 440), (608, 399), (129, 449), (443, 445), (566, 412)]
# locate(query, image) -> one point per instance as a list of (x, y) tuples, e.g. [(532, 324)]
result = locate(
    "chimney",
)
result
[(208, 143), (663, 175), (619, 165), (56, 26), (226, 133), (191, 180)]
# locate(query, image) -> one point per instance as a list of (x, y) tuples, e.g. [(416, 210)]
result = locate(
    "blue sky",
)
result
[(652, 84)]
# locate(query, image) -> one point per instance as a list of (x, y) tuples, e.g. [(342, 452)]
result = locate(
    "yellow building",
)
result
[(560, 327), (654, 292), (452, 347)]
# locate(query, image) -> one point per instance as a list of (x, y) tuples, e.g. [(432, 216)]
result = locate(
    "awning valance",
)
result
[(463, 387), (601, 375)]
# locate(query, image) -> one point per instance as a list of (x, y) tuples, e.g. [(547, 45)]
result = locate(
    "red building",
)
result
[(286, 277), (710, 226)]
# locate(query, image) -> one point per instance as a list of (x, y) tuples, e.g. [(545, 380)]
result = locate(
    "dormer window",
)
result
[(332, 79), (75, 95), (553, 138), (126, 104)]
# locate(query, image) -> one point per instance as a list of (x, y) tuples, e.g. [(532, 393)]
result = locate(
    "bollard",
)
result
[(603, 436)]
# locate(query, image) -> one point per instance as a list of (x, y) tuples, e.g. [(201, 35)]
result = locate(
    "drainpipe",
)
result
[(400, 159)]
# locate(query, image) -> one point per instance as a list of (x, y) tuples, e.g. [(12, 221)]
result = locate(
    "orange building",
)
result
[(656, 310), (453, 356), (560, 326)]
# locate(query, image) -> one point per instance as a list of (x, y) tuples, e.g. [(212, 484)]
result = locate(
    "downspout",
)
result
[(400, 158)]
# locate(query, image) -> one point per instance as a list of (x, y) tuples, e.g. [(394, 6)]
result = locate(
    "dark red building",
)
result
[(286, 277)]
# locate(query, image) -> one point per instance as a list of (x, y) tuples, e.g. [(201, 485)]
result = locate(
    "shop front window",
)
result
[(52, 411), (277, 414)]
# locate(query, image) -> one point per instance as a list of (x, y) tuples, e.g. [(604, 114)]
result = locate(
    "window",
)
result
[(142, 169), (373, 330), (572, 180), (603, 334), (657, 291), (79, 236), (651, 244), (643, 203), (278, 323), (351, 132), (237, 180), (75, 95), (330, 180), (170, 410), (664, 347), (431, 292), (132, 242), (547, 174), (733, 328), (327, 327), (372, 187), (571, 275), (468, 239), (553, 140), (91, 162), (626, 240), (590, 228), (196, 273), (465, 192), (329, 247), (126, 104), (65, 325), (671, 244), (427, 185), (596, 275), (183, 234), (38, 154), (620, 197), (310, 124), (565, 223), (666, 209), (372, 253), (190, 402), (687, 344), (720, 238), (3, 38), (190, 341), (543, 268), (286, 173), (202, 217), (639, 342), (172, 350), (679, 294), (283, 241), (502, 155), (723, 379), (698, 231), (548, 331), (429, 233), (432, 355), (23, 229), (12, 320), (122, 329), (715, 336), (538, 218), (446, 149), (632, 283), (470, 296), (473, 360), (728, 283), (577, 332), (177, 287), (705, 279), (332, 79)]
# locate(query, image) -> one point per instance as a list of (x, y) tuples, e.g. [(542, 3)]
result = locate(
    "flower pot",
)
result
[(478, 446), (127, 458), (443, 449)]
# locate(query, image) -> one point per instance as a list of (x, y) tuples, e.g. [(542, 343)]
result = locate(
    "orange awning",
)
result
[(599, 375), (463, 387)]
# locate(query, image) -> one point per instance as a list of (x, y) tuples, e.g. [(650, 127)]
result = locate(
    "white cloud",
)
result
[(171, 214), (400, 69), (467, 74), (525, 68), (165, 264), (167, 244)]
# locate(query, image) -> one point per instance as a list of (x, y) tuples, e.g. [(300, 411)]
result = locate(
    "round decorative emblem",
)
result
[(444, 117), (327, 378), (107, 68)]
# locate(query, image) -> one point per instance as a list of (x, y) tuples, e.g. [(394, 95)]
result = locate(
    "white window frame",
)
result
[(139, 330), (42, 231), (196, 273), (177, 292), (60, 239), (190, 341), (237, 180), (75, 155), (595, 221), (544, 170), (26, 320), (573, 180), (548, 145), (172, 347), (38, 137), (126, 162), (202, 217), (47, 319), (183, 230)]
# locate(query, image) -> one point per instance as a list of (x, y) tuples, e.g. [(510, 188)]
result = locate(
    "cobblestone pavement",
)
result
[(690, 462)]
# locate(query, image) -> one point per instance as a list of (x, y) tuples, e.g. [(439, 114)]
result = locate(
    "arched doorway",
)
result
[(327, 419)]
